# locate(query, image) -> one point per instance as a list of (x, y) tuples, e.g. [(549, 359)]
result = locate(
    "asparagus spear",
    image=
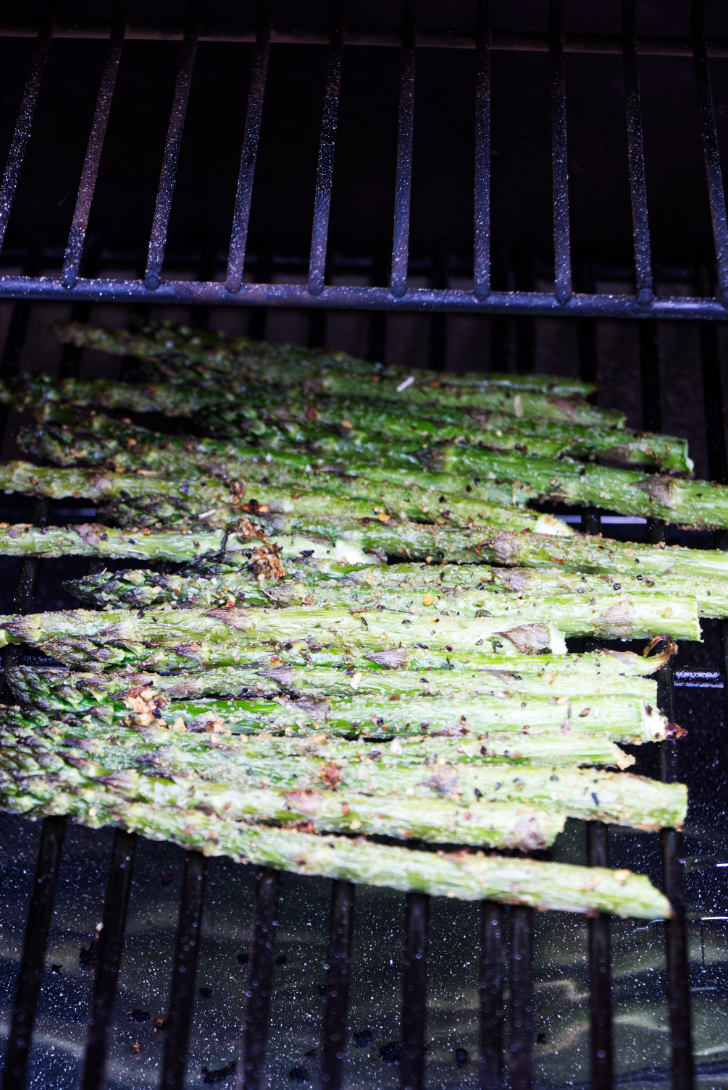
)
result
[(37, 391), (343, 375), (589, 794), (182, 349), (509, 826), (600, 673), (620, 717), (447, 874), (221, 505), (372, 428), (231, 629), (547, 748), (196, 460), (577, 552), (475, 544), (236, 629), (269, 363), (697, 503), (95, 539), (610, 614), (222, 584)]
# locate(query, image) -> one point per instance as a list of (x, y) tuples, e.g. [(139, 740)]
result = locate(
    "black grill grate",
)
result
[(506, 990), (478, 292), (76, 270)]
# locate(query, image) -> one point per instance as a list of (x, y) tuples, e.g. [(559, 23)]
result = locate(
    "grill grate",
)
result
[(75, 269), (479, 294), (506, 1015)]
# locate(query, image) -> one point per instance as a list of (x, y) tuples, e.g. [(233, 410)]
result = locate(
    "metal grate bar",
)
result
[(676, 938), (636, 159), (481, 256), (559, 159), (89, 173), (525, 330), (33, 956), (365, 297), (170, 159), (109, 959), (24, 121), (598, 927), (182, 995), (437, 339), (414, 993), (492, 978), (503, 41), (338, 969), (716, 190), (52, 833), (325, 167), (249, 154), (260, 979), (600, 972), (676, 943), (521, 1047), (405, 134)]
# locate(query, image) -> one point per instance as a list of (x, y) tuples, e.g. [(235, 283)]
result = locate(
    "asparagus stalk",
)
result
[(200, 750), (589, 794), (196, 460), (598, 673), (553, 749), (476, 544), (221, 505), (697, 503), (378, 418), (36, 392), (372, 428), (444, 821), (690, 502), (577, 552), (611, 614), (221, 584), (95, 539), (230, 629), (189, 398), (620, 717), (468, 876), (180, 349)]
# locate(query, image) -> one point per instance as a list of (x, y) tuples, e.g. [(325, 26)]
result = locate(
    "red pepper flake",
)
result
[(330, 774)]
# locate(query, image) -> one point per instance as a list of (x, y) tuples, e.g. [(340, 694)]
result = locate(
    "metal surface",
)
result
[(267, 1024), (551, 292), (509, 1021)]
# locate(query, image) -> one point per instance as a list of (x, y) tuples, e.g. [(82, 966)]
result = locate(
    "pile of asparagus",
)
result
[(363, 640)]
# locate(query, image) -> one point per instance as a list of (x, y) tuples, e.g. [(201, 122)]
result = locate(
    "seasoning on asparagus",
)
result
[(213, 353), (597, 672), (591, 794), (464, 875)]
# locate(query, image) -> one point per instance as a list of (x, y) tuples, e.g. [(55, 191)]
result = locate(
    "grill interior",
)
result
[(277, 981)]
